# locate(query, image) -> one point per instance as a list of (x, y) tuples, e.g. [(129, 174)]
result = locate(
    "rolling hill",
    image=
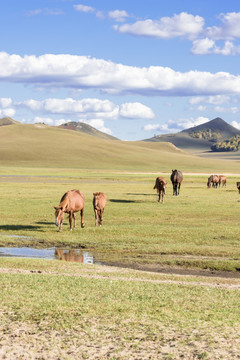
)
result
[(52, 147), (8, 121), (200, 137), (87, 129)]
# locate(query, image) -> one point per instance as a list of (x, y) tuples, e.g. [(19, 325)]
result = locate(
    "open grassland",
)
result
[(198, 229), (41, 146), (55, 310)]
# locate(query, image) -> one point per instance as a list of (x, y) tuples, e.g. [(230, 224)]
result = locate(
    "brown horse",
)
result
[(176, 179), (99, 202), (238, 186), (70, 203), (223, 180), (160, 185), (213, 180)]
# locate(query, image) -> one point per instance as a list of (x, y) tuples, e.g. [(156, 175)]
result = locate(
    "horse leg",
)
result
[(70, 220), (158, 195), (60, 226), (82, 224), (96, 217), (179, 185), (101, 217), (74, 218)]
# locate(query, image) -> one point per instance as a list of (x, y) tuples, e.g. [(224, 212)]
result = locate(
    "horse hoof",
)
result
[(82, 226)]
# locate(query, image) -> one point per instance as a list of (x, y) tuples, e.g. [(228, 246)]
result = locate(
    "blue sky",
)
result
[(129, 68)]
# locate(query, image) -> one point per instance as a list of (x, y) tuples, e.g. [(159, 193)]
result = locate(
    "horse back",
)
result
[(99, 200)]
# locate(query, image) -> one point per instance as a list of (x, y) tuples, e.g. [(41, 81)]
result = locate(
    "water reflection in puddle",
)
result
[(75, 255)]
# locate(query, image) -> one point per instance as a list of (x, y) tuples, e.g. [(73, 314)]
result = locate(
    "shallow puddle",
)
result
[(75, 255)]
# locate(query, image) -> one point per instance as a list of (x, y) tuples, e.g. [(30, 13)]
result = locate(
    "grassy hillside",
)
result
[(44, 146), (87, 129)]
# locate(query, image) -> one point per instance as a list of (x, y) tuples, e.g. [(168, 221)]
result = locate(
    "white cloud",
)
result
[(88, 108), (78, 72), (207, 46), (5, 102), (99, 125), (215, 100), (173, 126), (84, 8), (232, 110), (228, 30), (136, 110), (183, 25), (236, 124), (118, 15), (7, 112)]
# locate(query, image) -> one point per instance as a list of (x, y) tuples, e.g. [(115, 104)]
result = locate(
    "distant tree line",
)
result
[(231, 144), (207, 134)]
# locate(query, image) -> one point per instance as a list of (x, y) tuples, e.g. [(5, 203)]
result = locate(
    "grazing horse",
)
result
[(99, 202), (176, 179), (71, 202), (213, 180), (223, 180), (238, 186), (160, 185)]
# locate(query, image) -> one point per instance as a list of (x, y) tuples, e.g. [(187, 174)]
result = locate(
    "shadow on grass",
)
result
[(20, 227), (123, 201), (141, 194)]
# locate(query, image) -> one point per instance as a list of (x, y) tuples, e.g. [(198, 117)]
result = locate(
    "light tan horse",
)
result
[(99, 202), (70, 203), (223, 180), (160, 185)]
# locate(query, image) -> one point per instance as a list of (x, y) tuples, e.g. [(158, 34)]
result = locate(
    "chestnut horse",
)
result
[(99, 202), (71, 202), (176, 179), (160, 185), (223, 180)]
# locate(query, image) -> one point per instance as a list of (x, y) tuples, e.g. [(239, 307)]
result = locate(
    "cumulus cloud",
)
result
[(118, 15), (136, 110), (216, 100), (99, 125), (207, 46), (5, 102), (180, 25), (88, 108), (84, 8), (176, 125), (81, 72), (236, 124)]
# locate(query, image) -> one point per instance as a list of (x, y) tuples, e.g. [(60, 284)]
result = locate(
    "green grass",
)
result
[(198, 229), (82, 310)]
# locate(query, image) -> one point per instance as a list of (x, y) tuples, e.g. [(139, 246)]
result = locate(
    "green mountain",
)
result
[(200, 137)]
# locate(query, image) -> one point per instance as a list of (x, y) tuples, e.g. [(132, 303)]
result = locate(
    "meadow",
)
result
[(52, 309)]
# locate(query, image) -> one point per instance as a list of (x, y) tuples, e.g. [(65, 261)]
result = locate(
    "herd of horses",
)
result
[(73, 200)]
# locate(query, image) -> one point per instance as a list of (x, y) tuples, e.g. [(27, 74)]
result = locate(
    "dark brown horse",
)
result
[(70, 203), (176, 179), (213, 180), (99, 202), (238, 186), (160, 185)]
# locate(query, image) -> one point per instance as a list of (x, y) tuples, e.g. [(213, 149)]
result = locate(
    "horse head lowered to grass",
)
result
[(99, 202), (176, 179), (71, 202)]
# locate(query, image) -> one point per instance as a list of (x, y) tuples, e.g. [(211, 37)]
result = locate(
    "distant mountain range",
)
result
[(72, 125), (194, 139), (201, 136)]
